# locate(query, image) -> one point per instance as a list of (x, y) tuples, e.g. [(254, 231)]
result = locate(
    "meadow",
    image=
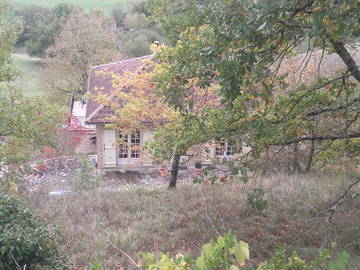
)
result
[(29, 80), (105, 5), (138, 219)]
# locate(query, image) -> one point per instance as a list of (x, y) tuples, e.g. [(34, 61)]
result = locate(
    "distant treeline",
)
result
[(42, 25)]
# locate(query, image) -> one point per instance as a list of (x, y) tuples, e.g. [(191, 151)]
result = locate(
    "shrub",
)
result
[(85, 177), (255, 199), (280, 261), (229, 254), (26, 241)]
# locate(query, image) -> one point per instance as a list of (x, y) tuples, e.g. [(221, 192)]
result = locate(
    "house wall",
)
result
[(86, 145), (199, 153)]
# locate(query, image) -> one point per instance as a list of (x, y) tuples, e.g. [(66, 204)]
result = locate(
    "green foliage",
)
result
[(27, 125), (119, 13), (85, 177), (224, 253), (32, 16), (26, 241), (42, 26), (341, 262), (135, 21), (9, 30), (228, 254), (256, 199), (137, 46), (85, 40), (247, 49), (95, 266), (180, 262), (280, 261)]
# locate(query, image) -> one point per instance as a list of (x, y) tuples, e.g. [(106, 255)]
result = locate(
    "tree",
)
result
[(32, 16), (9, 29), (26, 124), (86, 40), (118, 13), (135, 21), (175, 132), (243, 46), (43, 25)]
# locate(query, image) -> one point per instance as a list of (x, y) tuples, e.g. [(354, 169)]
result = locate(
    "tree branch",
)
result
[(347, 58), (322, 138), (334, 109)]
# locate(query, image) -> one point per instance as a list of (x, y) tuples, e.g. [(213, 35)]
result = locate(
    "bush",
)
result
[(85, 178), (229, 254), (256, 200), (25, 241)]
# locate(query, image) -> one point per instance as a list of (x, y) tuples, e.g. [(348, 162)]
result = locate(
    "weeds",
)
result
[(139, 219), (85, 177)]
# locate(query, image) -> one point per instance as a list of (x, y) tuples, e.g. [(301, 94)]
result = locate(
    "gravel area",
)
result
[(53, 177)]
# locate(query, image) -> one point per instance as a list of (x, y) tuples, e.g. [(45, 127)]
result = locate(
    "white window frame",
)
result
[(126, 151), (226, 151)]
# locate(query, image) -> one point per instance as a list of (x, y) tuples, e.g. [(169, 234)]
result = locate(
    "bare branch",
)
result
[(123, 252), (340, 107), (322, 138)]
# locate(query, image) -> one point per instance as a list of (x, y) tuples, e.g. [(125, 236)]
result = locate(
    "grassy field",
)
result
[(105, 5), (139, 219), (29, 80)]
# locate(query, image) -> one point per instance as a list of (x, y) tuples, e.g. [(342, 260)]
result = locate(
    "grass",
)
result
[(139, 219), (87, 5), (29, 80)]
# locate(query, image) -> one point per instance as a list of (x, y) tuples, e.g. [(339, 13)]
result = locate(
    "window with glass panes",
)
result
[(224, 149), (123, 146), (135, 144)]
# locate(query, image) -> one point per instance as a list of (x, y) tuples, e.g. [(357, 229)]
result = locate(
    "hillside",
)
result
[(138, 219)]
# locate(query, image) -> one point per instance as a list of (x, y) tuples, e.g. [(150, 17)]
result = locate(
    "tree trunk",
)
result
[(347, 58), (311, 155), (312, 148), (174, 171), (296, 164)]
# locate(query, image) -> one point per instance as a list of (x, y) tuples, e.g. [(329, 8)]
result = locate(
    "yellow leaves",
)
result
[(250, 96), (326, 21)]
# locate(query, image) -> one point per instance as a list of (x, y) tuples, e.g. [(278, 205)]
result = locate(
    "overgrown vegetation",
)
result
[(26, 242), (85, 177), (140, 219)]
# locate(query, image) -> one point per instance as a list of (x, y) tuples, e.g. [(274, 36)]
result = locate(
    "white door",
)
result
[(109, 148)]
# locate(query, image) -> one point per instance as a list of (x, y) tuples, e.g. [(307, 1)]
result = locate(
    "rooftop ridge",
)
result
[(122, 61)]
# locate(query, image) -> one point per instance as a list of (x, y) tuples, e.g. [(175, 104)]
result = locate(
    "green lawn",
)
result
[(29, 80), (105, 5)]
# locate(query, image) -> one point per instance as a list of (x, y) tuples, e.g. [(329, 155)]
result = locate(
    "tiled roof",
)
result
[(96, 113), (303, 68)]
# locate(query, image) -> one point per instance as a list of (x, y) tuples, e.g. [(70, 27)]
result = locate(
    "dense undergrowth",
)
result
[(138, 219)]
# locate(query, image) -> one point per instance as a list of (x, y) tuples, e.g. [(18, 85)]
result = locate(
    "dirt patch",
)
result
[(53, 176)]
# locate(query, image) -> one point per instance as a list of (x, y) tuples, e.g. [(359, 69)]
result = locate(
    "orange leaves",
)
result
[(326, 21)]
